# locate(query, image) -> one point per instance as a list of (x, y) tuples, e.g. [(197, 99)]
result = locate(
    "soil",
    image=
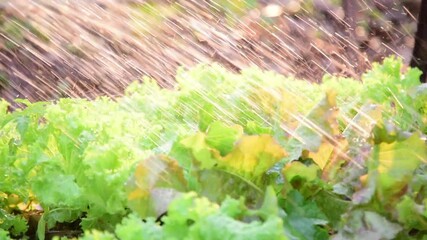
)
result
[(77, 48)]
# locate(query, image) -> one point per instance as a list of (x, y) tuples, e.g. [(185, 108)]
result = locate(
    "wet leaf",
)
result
[(323, 155), (410, 214), (41, 228), (253, 155), (216, 185), (361, 125), (393, 164), (298, 169), (154, 184), (317, 128), (304, 217), (367, 225), (56, 188), (201, 151), (332, 206), (222, 137), (270, 205), (133, 228)]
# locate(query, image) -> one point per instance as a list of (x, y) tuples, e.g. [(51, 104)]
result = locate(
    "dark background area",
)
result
[(51, 49)]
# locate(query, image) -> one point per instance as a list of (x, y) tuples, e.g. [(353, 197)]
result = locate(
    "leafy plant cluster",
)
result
[(237, 156)]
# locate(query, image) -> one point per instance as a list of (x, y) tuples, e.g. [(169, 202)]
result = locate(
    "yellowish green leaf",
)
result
[(394, 163), (323, 155), (253, 155), (298, 169), (318, 127), (202, 152), (222, 137)]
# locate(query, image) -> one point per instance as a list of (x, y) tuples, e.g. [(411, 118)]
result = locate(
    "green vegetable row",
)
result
[(222, 155)]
